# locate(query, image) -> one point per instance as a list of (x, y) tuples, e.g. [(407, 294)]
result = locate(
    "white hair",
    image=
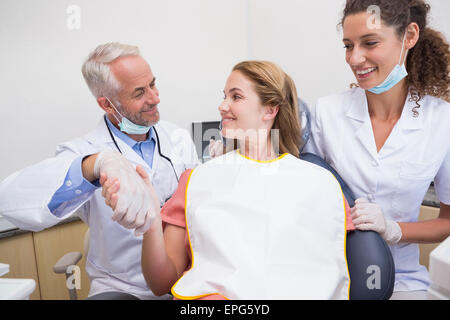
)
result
[(96, 70)]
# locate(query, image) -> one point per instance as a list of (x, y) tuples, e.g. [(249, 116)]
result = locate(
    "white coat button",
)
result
[(68, 183), (374, 163), (78, 191)]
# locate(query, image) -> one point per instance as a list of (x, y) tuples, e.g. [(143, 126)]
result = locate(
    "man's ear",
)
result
[(270, 112), (104, 104)]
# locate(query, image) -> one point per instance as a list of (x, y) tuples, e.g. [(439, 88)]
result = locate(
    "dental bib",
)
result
[(264, 230)]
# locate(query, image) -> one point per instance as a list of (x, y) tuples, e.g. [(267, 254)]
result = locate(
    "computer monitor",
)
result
[(202, 132)]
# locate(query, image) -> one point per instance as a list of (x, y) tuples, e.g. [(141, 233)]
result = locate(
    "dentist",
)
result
[(130, 134)]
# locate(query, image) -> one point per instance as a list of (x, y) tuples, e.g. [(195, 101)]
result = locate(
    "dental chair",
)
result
[(370, 263), (71, 259)]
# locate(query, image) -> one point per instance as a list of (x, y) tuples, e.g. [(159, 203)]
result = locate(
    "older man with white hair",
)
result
[(129, 136)]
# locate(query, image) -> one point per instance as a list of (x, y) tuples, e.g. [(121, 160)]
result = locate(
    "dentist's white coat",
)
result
[(114, 258)]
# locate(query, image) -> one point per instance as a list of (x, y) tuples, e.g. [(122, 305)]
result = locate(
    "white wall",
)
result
[(191, 47), (304, 39)]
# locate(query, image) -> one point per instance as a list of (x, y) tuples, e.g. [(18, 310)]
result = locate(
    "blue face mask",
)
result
[(127, 126), (397, 74)]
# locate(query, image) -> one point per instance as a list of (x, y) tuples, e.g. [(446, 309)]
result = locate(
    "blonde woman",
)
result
[(257, 222)]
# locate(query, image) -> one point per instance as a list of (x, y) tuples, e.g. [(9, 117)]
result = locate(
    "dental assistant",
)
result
[(130, 133), (389, 137)]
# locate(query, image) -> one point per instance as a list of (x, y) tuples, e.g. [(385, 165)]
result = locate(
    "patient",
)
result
[(256, 222)]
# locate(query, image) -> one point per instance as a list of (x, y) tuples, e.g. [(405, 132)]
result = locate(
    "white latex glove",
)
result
[(133, 208), (215, 148), (368, 216)]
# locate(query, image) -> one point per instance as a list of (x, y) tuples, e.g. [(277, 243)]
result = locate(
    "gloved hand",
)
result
[(215, 148), (133, 206), (368, 216)]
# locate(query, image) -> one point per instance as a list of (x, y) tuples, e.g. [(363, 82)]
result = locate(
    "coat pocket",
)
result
[(413, 181)]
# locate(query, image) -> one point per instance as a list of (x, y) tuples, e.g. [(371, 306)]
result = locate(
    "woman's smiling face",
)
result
[(241, 109), (371, 53)]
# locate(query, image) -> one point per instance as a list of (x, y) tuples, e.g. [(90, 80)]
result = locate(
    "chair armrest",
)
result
[(366, 250), (67, 260)]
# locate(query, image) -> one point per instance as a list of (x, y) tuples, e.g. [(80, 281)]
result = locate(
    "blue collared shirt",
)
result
[(76, 186)]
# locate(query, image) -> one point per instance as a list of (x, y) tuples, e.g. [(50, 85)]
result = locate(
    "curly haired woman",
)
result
[(389, 137)]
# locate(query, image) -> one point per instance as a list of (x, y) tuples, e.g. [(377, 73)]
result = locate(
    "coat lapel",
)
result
[(358, 113)]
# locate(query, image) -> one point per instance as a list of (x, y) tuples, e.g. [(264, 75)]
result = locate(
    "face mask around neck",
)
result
[(397, 74), (127, 126)]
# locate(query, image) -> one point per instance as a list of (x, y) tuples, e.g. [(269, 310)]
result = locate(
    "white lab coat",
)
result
[(397, 178), (114, 258)]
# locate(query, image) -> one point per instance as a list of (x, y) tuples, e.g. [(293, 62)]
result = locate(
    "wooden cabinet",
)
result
[(33, 254), (427, 213), (18, 252)]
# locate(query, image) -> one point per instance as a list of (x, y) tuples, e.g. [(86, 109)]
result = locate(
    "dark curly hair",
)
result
[(428, 62)]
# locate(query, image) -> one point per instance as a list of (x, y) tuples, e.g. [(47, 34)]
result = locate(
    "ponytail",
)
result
[(428, 67), (287, 120)]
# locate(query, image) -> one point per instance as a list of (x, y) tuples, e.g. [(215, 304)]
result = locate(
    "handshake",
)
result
[(128, 191)]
